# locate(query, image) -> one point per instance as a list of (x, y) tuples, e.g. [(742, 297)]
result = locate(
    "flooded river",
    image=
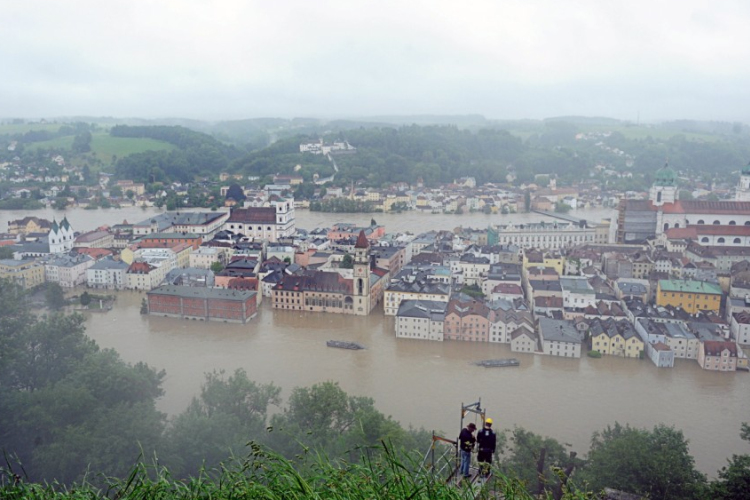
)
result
[(423, 383)]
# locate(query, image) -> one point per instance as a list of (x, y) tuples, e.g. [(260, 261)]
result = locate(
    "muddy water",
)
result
[(85, 220), (423, 383)]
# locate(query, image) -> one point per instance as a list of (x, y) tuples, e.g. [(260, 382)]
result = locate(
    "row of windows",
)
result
[(697, 296), (250, 228)]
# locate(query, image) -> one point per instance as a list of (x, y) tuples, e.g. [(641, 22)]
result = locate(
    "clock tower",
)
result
[(361, 291)]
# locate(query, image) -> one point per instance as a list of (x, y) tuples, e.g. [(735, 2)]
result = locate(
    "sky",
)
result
[(230, 59)]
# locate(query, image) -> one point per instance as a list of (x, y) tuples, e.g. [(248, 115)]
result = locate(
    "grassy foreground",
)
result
[(265, 475)]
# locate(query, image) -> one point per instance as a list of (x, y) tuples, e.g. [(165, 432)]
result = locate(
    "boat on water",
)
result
[(497, 363), (342, 344)]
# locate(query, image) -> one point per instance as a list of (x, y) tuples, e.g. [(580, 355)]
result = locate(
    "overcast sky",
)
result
[(227, 59)]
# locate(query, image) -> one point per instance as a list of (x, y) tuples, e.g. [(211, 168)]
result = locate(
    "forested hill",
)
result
[(198, 154), (439, 154)]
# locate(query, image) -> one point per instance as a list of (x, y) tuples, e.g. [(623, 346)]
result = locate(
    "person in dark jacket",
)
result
[(486, 442), (466, 442)]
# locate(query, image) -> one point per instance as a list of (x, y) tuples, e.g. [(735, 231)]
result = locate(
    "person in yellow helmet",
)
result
[(486, 442)]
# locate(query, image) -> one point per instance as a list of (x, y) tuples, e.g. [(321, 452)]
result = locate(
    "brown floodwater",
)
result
[(423, 383)]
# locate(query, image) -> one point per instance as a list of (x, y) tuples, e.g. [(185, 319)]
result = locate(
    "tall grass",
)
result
[(266, 475)]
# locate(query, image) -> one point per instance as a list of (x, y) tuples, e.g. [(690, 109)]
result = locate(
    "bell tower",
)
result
[(664, 189), (361, 291), (743, 189)]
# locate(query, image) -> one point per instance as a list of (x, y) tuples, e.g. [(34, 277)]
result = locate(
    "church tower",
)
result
[(743, 189), (664, 189), (61, 237), (361, 291)]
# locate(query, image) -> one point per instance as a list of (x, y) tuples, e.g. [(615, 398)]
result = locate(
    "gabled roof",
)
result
[(716, 348)]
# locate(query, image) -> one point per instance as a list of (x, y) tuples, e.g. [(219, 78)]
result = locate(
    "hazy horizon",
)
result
[(635, 61)]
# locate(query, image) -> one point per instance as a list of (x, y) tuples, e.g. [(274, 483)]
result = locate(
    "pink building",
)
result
[(467, 320), (345, 230)]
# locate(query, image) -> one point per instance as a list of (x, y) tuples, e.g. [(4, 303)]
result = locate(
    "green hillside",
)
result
[(105, 147)]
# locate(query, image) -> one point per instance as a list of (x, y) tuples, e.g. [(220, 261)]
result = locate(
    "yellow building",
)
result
[(25, 273), (691, 296), (536, 258), (615, 338), (29, 225)]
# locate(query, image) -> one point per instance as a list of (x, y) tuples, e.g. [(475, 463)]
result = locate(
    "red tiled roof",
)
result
[(707, 207), (556, 302), (660, 346), (508, 288), (140, 268), (253, 215), (96, 253), (715, 348)]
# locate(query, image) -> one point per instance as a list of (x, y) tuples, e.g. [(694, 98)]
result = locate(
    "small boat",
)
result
[(497, 363), (342, 344)]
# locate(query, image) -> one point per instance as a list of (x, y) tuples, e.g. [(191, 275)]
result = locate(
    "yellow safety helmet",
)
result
[(488, 421)]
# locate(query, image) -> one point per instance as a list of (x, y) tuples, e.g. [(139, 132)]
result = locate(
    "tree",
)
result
[(526, 452), (236, 193), (527, 200), (130, 194), (217, 267), (653, 463), (229, 412), (561, 207), (85, 299), (733, 482), (6, 252), (685, 195), (86, 172), (144, 306), (347, 262), (324, 417), (82, 142), (64, 404), (115, 192), (54, 296)]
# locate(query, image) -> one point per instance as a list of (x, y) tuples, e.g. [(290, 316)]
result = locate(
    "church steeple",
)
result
[(743, 189), (664, 188)]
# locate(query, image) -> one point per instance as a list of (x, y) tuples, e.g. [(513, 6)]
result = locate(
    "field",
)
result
[(22, 128), (105, 147)]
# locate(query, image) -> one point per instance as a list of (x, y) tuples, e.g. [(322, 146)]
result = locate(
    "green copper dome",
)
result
[(746, 170), (665, 176)]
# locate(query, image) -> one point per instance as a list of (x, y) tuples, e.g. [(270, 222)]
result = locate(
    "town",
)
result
[(666, 279)]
